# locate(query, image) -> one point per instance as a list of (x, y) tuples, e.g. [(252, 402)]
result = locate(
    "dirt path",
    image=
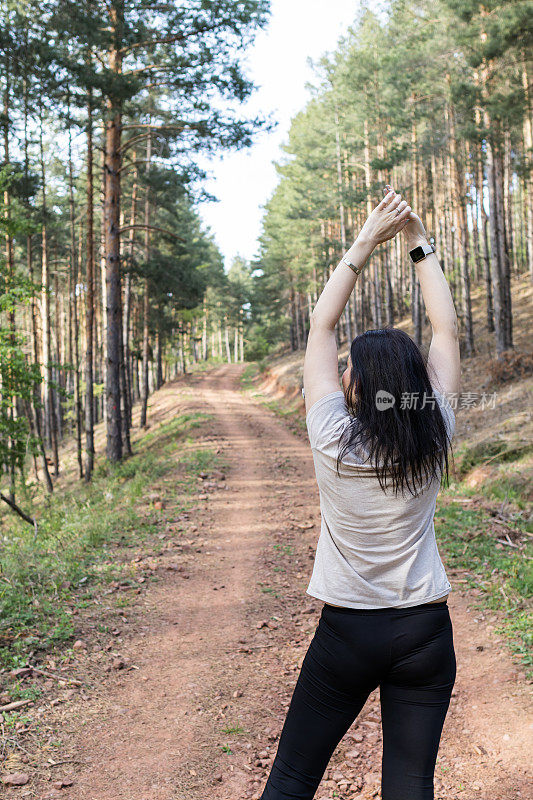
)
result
[(216, 655)]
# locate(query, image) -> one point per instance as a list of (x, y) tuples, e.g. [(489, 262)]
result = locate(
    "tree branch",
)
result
[(132, 164), (151, 228), (140, 136), (152, 127), (175, 37), (17, 509), (149, 68)]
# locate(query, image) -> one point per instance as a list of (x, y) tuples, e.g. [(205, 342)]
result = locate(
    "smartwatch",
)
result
[(420, 252)]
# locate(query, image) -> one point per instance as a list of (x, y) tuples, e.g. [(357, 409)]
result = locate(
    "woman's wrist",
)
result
[(363, 244), (364, 239), (416, 241)]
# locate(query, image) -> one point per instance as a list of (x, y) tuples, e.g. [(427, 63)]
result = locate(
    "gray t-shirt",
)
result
[(375, 550)]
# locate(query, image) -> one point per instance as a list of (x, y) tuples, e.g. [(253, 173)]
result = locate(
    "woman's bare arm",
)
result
[(321, 361), (444, 362)]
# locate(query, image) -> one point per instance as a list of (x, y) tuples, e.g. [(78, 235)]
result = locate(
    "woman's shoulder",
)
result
[(331, 399), (326, 418)]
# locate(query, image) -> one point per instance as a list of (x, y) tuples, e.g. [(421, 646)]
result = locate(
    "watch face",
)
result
[(417, 254)]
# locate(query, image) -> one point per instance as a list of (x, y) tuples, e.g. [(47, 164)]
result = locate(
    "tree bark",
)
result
[(89, 312), (496, 248), (75, 280), (342, 218), (505, 259), (45, 308), (459, 203), (127, 294), (528, 180), (113, 137), (146, 297), (416, 309)]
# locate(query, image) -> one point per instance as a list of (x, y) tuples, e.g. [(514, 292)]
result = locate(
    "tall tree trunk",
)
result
[(75, 280), (59, 332), (127, 293), (495, 260), (146, 298), (297, 320), (480, 194), (499, 255), (113, 158), (365, 315), (342, 218), (459, 203), (125, 415), (241, 334), (204, 329), (36, 404), (505, 259), (9, 266), (389, 294), (89, 313), (45, 308), (472, 191), (146, 351), (416, 306), (159, 360), (226, 340), (508, 201), (528, 180)]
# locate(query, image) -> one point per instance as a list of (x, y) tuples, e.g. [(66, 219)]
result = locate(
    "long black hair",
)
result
[(404, 434)]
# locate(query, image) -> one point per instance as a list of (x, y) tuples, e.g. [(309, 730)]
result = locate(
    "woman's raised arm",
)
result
[(444, 363), (321, 360)]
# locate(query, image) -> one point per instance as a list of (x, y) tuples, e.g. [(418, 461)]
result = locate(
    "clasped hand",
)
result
[(390, 216)]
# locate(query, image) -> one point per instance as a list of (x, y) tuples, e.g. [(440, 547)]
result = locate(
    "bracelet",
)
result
[(357, 270)]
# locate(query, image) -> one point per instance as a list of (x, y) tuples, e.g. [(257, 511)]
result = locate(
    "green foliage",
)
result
[(175, 78), (18, 378), (379, 106), (18, 381), (502, 574), (491, 451), (73, 556)]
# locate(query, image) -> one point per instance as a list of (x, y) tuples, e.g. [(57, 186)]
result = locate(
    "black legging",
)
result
[(407, 652)]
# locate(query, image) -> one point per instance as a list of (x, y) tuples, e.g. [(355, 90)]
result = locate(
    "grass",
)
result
[(233, 729), (509, 478), (252, 369), (502, 574), (284, 549), (292, 417), (267, 590), (45, 579)]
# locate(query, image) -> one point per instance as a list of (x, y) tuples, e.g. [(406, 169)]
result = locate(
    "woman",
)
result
[(380, 450)]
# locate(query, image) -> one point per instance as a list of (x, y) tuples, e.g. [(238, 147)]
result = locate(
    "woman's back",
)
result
[(375, 549), (377, 559)]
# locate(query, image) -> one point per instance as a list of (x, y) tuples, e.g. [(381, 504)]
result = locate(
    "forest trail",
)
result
[(216, 644)]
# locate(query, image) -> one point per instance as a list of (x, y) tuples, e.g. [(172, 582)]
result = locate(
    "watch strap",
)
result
[(348, 263), (421, 251)]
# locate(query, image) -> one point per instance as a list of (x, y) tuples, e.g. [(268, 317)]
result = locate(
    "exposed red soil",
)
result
[(216, 654)]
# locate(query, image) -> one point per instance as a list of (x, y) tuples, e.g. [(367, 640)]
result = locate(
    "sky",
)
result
[(277, 63)]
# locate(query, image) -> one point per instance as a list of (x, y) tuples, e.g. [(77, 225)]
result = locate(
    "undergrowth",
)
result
[(293, 416), (501, 570), (46, 577)]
